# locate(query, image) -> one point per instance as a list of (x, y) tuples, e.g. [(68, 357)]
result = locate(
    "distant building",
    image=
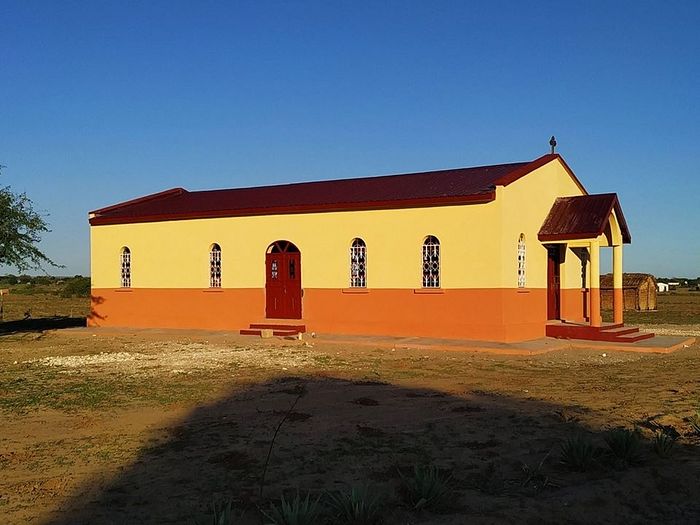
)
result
[(638, 291), (662, 287)]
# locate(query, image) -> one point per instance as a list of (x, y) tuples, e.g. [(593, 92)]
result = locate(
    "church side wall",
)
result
[(478, 298)]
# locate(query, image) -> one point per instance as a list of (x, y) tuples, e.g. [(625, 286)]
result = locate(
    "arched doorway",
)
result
[(283, 281)]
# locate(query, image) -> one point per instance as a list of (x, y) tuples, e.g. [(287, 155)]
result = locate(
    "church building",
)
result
[(507, 253)]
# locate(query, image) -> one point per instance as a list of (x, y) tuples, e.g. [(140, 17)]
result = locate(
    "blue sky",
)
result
[(104, 101)]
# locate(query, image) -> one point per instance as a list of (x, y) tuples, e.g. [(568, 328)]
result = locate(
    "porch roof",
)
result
[(582, 217)]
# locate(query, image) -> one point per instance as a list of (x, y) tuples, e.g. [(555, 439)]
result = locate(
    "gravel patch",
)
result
[(179, 358), (690, 330)]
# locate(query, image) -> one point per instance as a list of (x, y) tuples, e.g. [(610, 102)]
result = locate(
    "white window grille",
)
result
[(431, 262), (358, 264), (521, 261), (126, 268), (215, 266)]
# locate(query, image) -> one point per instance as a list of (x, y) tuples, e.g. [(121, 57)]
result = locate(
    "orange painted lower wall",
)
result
[(483, 314), (575, 304), (176, 308), (505, 315)]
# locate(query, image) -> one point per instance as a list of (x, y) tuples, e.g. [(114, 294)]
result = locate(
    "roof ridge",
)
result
[(370, 177)]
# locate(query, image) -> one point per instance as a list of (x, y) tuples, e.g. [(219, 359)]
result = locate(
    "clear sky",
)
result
[(105, 101)]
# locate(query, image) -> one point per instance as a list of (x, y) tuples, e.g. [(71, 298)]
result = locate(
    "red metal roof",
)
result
[(582, 217), (433, 188)]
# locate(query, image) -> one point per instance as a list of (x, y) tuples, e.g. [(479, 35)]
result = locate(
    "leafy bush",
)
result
[(578, 453), (663, 444), (356, 506), (76, 286), (625, 446), (297, 511), (8, 279), (428, 488)]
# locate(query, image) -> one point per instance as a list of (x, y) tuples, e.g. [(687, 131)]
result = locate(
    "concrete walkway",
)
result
[(659, 344)]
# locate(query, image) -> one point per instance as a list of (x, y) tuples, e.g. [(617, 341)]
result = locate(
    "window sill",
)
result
[(212, 290), (428, 291), (352, 291), (523, 290), (124, 290)]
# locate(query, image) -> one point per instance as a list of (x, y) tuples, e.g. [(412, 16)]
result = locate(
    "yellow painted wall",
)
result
[(478, 243), (175, 253), (524, 205)]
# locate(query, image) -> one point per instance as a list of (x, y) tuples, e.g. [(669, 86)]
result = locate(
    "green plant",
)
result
[(695, 422), (663, 444), (536, 477), (296, 511), (625, 446), (357, 506), (578, 453), (221, 514), (428, 488)]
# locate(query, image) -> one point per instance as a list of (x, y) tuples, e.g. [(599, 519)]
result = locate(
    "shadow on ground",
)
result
[(40, 324), (503, 452)]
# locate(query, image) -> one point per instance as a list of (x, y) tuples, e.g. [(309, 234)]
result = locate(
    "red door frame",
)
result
[(283, 281), (553, 282)]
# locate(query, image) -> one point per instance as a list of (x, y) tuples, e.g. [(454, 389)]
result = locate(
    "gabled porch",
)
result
[(585, 224)]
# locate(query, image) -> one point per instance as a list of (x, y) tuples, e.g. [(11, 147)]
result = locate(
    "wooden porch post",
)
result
[(618, 304), (595, 283)]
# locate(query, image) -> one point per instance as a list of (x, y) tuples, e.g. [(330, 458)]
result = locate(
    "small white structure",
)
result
[(663, 287)]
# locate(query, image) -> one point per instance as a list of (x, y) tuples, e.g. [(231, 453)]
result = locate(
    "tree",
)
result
[(20, 231)]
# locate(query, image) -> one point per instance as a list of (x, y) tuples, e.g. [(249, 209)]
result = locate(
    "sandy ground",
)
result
[(149, 428)]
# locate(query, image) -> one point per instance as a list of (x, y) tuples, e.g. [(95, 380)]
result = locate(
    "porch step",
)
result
[(280, 326), (258, 332), (622, 330), (614, 333), (633, 338), (279, 329)]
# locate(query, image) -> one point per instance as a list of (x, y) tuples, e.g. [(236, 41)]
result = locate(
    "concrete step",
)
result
[(623, 330), (279, 333), (609, 333), (633, 338), (279, 326)]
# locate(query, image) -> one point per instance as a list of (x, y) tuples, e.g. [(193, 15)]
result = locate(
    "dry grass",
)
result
[(678, 307), (19, 306)]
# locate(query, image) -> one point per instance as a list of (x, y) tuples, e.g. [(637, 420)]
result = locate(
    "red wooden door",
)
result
[(553, 282), (283, 281), (292, 291)]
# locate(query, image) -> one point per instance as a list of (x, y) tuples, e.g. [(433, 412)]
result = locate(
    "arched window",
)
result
[(215, 266), (358, 264), (431, 262), (521, 261), (125, 257)]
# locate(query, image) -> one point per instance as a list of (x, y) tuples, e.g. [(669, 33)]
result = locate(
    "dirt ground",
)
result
[(150, 427)]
